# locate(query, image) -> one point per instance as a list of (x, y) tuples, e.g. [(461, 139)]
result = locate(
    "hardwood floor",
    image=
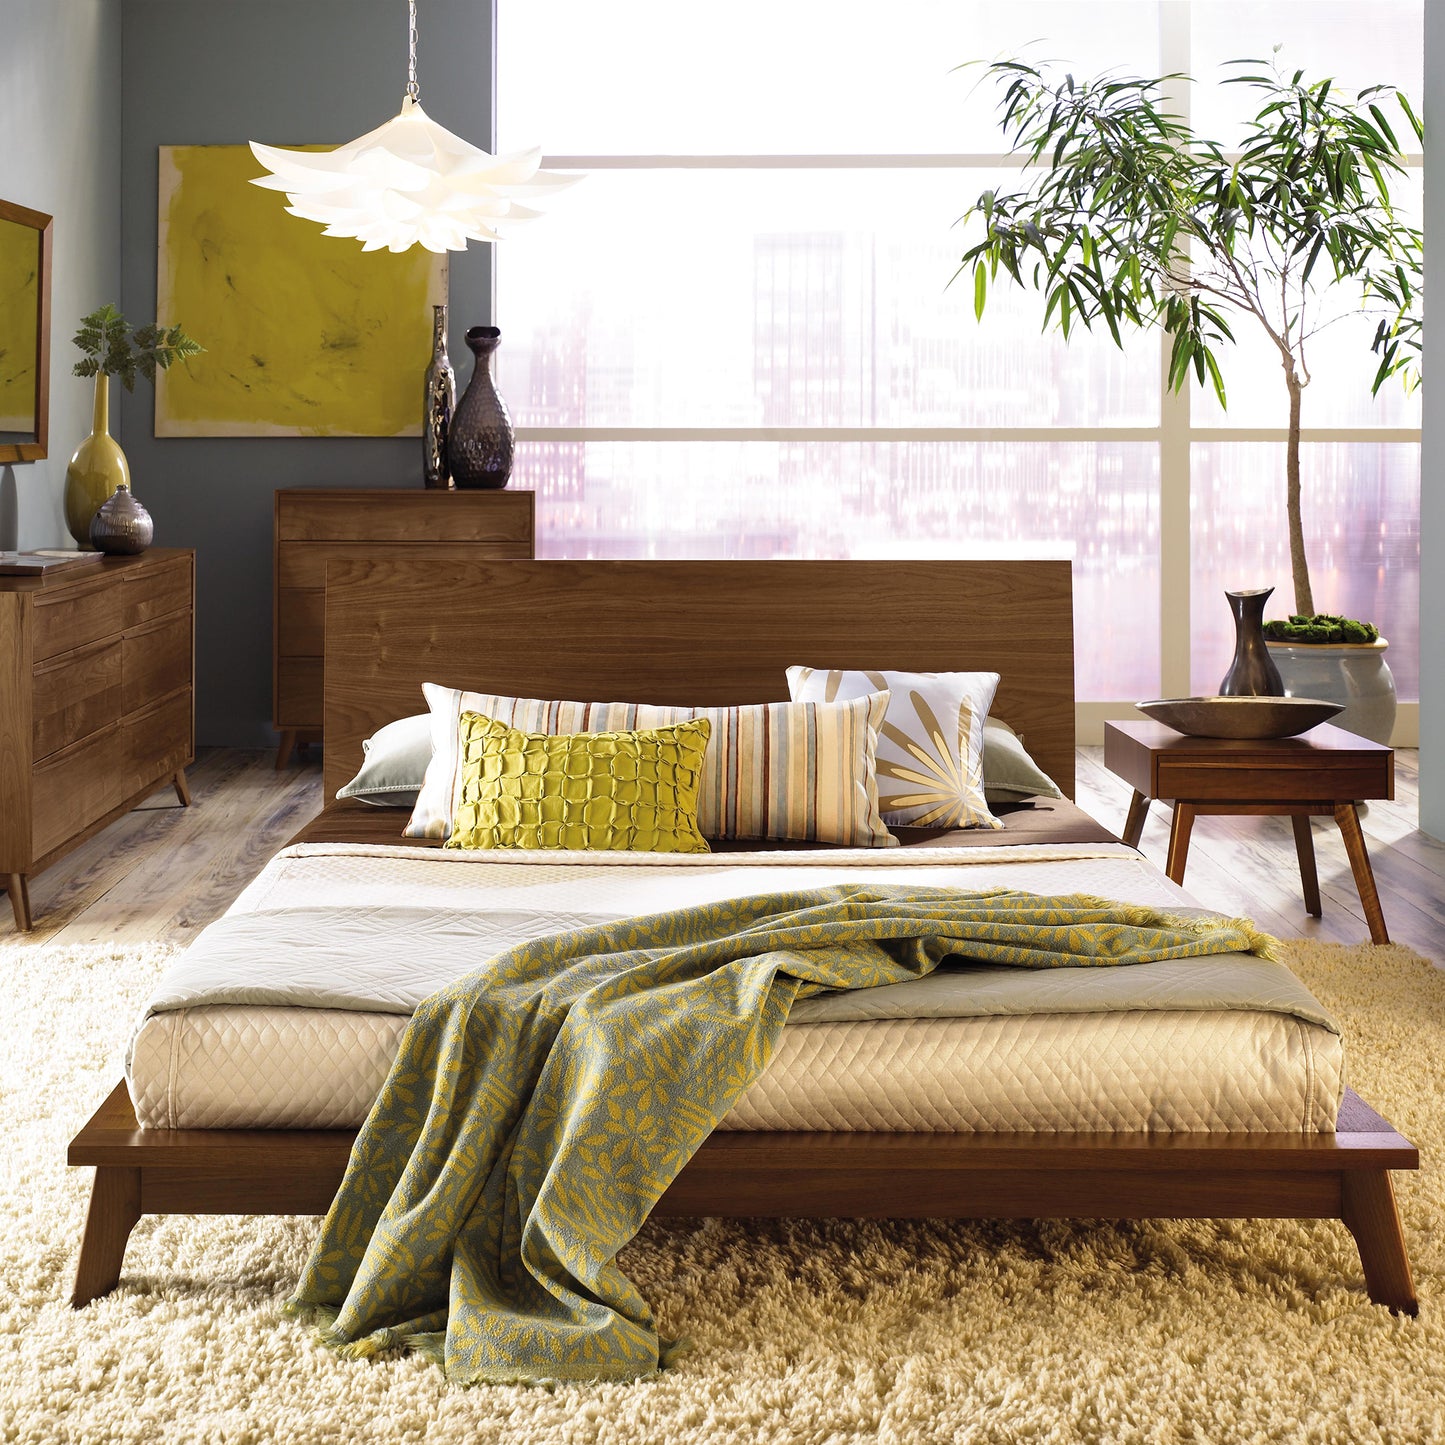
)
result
[(163, 872)]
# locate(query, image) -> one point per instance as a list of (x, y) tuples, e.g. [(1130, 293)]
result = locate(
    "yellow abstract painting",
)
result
[(19, 296), (305, 334)]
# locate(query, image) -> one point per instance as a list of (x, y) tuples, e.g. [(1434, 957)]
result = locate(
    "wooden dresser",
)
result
[(314, 527), (96, 702)]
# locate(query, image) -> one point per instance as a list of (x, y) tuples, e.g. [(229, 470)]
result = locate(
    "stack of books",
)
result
[(37, 564)]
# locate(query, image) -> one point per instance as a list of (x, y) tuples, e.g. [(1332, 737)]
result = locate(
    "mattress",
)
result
[(288, 1011)]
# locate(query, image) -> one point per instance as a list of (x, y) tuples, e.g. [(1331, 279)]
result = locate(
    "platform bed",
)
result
[(713, 633)]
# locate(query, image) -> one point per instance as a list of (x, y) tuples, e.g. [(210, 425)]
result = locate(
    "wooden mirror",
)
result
[(24, 333)]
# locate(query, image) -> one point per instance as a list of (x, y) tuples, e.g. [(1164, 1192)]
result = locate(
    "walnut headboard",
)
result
[(690, 632)]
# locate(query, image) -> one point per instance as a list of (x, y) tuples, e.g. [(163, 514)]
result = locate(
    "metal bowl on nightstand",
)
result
[(1240, 717)]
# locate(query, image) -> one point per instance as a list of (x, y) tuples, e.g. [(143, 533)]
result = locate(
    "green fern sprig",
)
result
[(111, 348)]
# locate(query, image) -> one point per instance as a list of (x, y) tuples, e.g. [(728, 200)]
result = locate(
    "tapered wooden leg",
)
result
[(285, 747), (183, 788), (1179, 841), (1349, 821), (1304, 846), (114, 1212), (1134, 823), (1368, 1209), (18, 887)]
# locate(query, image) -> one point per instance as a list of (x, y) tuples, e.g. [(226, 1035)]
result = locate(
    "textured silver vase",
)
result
[(121, 526), (441, 405)]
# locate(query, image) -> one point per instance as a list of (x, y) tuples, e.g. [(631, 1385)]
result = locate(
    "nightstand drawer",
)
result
[(1334, 779), (156, 660), (156, 594), (76, 694)]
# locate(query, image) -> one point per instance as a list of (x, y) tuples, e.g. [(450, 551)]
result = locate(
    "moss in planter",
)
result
[(1321, 628)]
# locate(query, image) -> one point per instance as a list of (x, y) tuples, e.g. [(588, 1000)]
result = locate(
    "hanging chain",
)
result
[(413, 90)]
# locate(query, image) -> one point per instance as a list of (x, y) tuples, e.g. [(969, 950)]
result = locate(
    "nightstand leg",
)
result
[(1304, 845), (183, 788), (1134, 823), (1179, 832), (18, 887), (1349, 821)]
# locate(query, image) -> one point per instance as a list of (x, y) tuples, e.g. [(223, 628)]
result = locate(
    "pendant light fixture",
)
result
[(409, 182)]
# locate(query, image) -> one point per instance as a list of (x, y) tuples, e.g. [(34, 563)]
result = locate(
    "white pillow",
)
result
[(930, 747), (798, 770)]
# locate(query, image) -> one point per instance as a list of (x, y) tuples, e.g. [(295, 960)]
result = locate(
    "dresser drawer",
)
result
[(75, 694), (298, 692), (300, 621), (303, 564), (156, 659), (72, 788), (66, 620), (418, 516), (159, 739), (156, 593)]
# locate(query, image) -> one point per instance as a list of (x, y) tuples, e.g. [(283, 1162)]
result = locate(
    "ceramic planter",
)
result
[(1353, 673)]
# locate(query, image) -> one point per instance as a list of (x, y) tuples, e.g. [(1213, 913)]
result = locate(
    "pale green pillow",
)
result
[(1009, 773), (394, 764), (610, 791)]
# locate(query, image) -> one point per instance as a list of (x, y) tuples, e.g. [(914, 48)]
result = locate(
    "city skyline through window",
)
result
[(737, 337)]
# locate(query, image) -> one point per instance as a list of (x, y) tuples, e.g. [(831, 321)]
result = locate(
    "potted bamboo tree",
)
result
[(1130, 220)]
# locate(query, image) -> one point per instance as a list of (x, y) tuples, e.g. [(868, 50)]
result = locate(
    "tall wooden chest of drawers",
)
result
[(314, 527), (96, 702)]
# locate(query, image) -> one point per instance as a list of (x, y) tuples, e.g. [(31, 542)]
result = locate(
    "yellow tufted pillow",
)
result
[(619, 791)]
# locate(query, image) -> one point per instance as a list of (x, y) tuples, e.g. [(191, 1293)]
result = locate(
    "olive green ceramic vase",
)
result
[(96, 470)]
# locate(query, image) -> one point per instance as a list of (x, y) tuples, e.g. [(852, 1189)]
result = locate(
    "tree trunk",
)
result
[(1304, 602)]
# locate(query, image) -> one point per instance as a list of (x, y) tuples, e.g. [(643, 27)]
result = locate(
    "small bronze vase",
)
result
[(1252, 673), (481, 443), (441, 402), (121, 526)]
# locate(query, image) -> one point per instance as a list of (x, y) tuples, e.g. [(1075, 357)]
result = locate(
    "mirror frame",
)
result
[(35, 451)]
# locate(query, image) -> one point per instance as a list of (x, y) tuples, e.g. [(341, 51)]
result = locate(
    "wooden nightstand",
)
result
[(96, 711), (314, 527), (1322, 773)]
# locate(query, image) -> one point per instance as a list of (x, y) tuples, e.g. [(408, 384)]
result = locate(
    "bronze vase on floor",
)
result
[(481, 443), (1252, 673)]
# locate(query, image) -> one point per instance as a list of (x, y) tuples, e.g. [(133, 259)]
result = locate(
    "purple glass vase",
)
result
[(480, 443)]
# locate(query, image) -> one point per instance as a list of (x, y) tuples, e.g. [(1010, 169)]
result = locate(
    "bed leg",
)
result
[(114, 1211), (1368, 1209)]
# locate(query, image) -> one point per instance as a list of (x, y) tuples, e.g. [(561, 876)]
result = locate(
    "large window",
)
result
[(737, 337)]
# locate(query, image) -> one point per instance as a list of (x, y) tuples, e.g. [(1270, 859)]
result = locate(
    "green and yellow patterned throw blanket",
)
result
[(539, 1106)]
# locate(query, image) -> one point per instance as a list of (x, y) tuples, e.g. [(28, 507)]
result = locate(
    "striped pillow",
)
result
[(798, 770)]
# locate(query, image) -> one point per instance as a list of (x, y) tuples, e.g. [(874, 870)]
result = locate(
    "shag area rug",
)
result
[(811, 1333)]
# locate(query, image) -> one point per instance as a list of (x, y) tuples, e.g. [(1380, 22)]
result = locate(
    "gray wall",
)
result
[(216, 72), (1432, 450), (60, 66)]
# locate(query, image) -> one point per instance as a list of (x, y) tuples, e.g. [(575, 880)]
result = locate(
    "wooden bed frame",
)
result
[(719, 632)]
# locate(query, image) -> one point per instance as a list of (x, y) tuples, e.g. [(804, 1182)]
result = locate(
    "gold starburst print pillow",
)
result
[(930, 747)]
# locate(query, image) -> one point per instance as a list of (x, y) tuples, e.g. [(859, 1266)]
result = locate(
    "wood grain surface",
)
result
[(703, 633)]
